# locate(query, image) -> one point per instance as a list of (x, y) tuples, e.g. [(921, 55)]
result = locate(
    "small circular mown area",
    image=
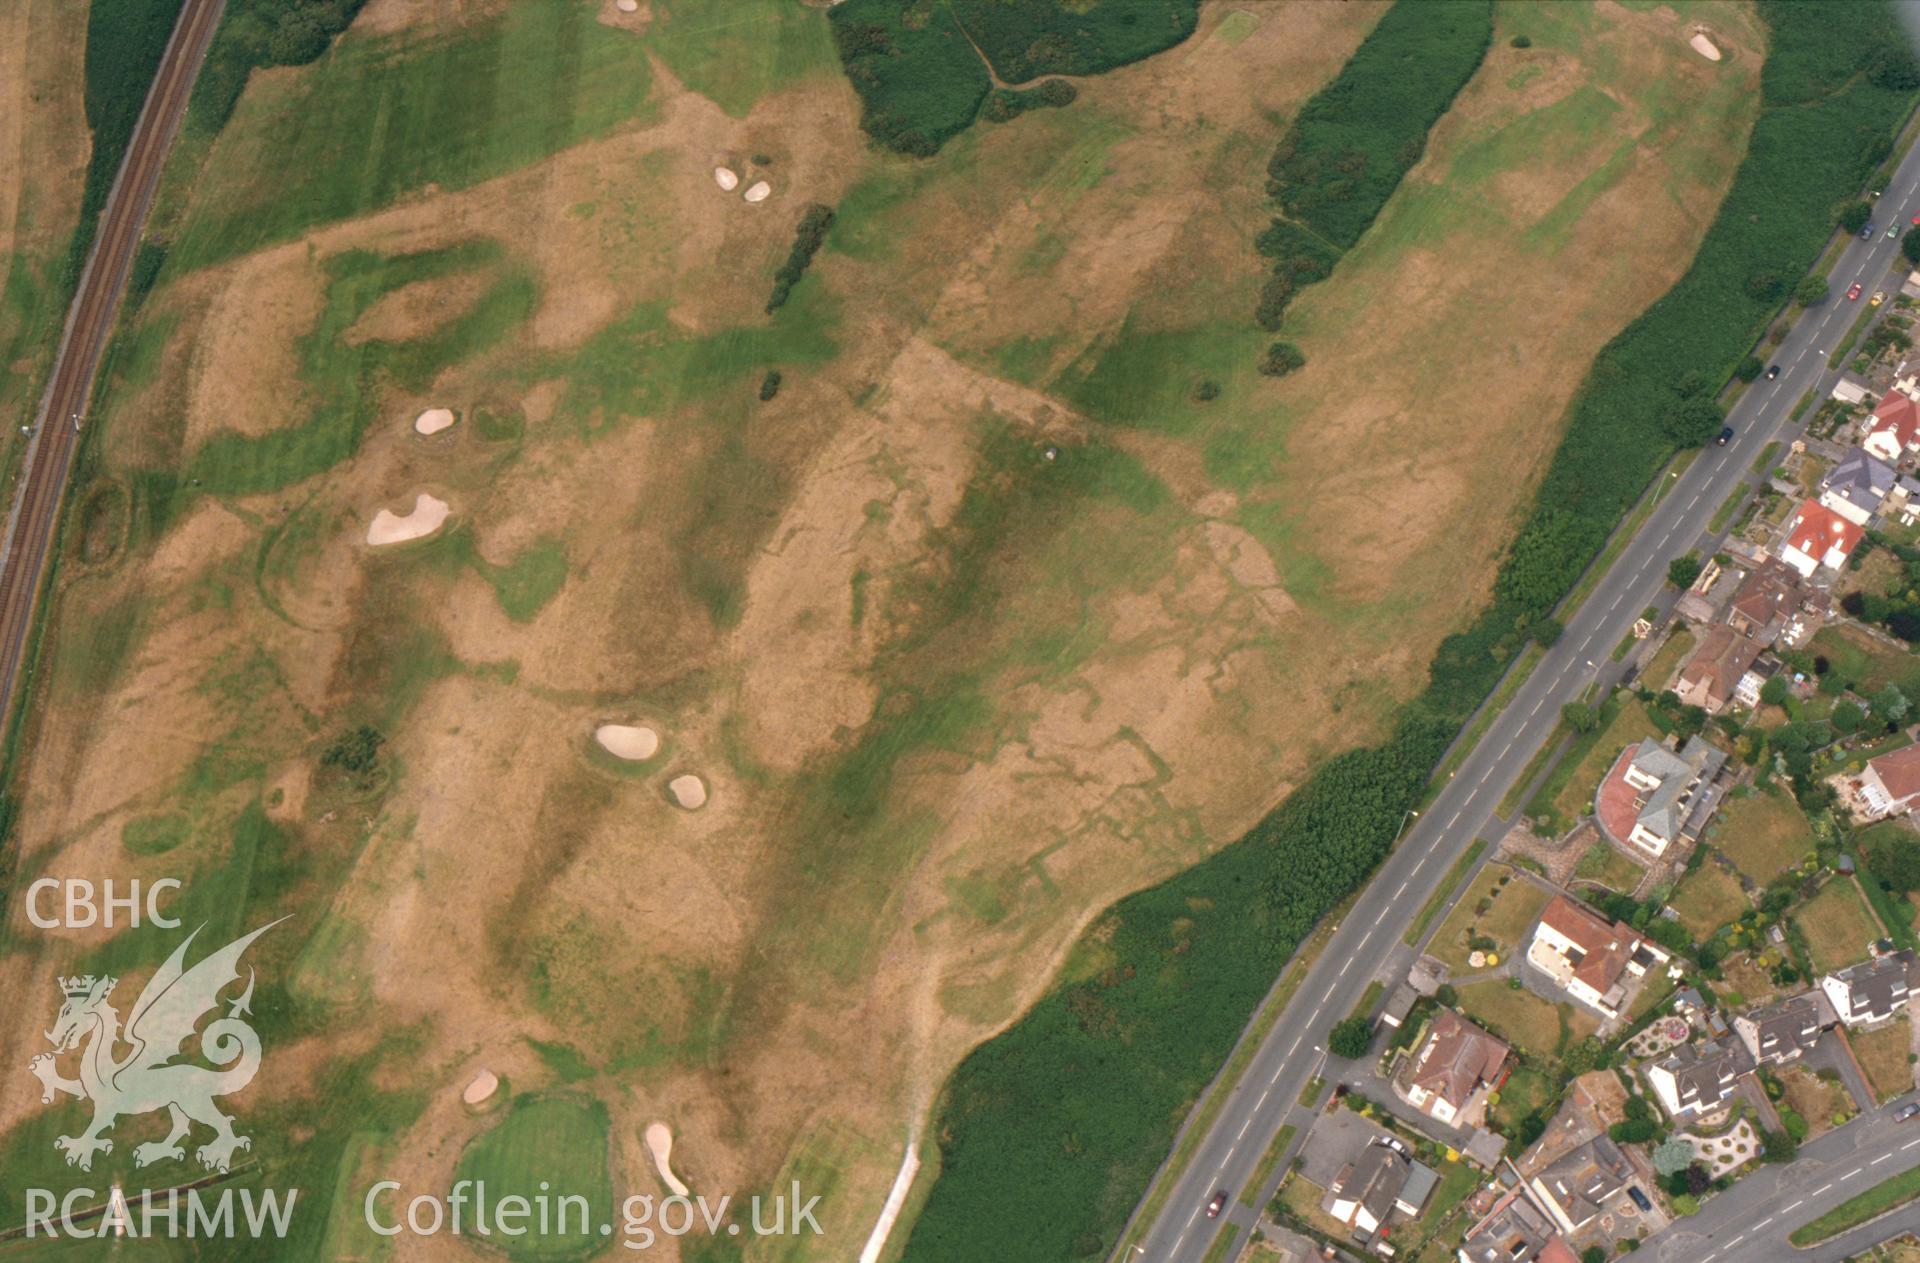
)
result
[(562, 1140)]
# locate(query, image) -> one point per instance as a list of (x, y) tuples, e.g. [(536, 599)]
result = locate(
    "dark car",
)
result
[(1639, 1198), (1905, 1112), (1218, 1204), (1773, 371), (1866, 233), (1725, 436)]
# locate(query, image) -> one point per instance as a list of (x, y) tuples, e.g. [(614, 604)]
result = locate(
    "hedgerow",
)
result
[(1006, 104), (125, 41), (815, 220), (1050, 1132), (256, 34), (1829, 99), (1353, 141)]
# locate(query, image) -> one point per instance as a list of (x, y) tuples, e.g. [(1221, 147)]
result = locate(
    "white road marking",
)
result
[(1877, 1161), (1823, 1188), (1401, 891), (1797, 1205), (1343, 969), (1910, 1144)]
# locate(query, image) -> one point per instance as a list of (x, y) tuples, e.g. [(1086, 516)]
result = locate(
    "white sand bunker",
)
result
[(627, 6), (484, 1085), (758, 191), (624, 741), (726, 179), (391, 528), (1704, 46), (433, 420), (689, 791), (660, 1145)]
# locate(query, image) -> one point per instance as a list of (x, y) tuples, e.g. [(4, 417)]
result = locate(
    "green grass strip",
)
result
[(1226, 1247), (1438, 899), (1764, 461), (1845, 348), (1724, 514), (1368, 999), (1269, 1161), (1885, 1196)]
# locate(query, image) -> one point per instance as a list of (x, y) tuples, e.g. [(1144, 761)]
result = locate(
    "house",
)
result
[(1894, 428), (1871, 992), (1515, 1231), (1577, 1187), (1456, 1063), (1382, 1180), (1711, 678), (1697, 1079), (1747, 692), (1655, 796), (1817, 536), (1784, 1032), (1775, 605), (1597, 964), (1855, 487), (1889, 785)]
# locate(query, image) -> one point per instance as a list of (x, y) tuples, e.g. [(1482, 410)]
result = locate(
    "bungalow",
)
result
[(1371, 1188), (1711, 678), (1515, 1231), (1784, 1032), (1456, 1062), (1871, 992), (1890, 784), (1595, 963), (1817, 536), (1894, 428), (1577, 1187), (1655, 795), (1693, 1080), (1775, 605), (1856, 486)]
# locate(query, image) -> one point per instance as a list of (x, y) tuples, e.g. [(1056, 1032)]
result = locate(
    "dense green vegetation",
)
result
[(1006, 104), (917, 64), (256, 34), (1050, 1132), (1832, 90), (125, 41), (383, 117), (1353, 141), (815, 220)]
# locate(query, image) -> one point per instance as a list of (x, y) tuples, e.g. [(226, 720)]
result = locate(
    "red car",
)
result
[(1916, 219), (1218, 1204), (1854, 293)]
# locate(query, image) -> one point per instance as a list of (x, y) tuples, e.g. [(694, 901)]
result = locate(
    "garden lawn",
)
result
[(1516, 1015), (1510, 910), (1884, 1054), (1569, 789), (1708, 899), (1838, 925), (1611, 867), (1763, 833), (1525, 1091), (1659, 671)]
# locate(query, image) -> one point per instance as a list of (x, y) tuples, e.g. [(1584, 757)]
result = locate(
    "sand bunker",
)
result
[(433, 420), (484, 1085), (623, 741), (660, 1144), (627, 6), (1704, 46), (391, 528), (689, 791), (758, 192), (726, 179)]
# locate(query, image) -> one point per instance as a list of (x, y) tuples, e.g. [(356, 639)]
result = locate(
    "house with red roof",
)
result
[(1894, 428), (1598, 964), (1817, 536), (1889, 785)]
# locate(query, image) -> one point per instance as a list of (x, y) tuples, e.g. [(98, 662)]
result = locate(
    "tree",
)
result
[(1811, 290), (1891, 704), (1670, 1156), (1282, 358), (1693, 420), (1698, 1181), (1779, 1147), (1774, 691), (1686, 1204), (1765, 287), (770, 385), (1682, 571), (1633, 1131), (1750, 368), (1910, 245), (1351, 1038), (1580, 717), (1594, 1254), (1545, 631), (1855, 215), (1895, 865), (1847, 718)]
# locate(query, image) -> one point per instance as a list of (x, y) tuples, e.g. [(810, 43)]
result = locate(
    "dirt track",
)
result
[(37, 498)]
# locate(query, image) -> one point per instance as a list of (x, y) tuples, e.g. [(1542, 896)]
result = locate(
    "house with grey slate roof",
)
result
[(1856, 486), (1697, 1079), (1871, 992), (1780, 1033)]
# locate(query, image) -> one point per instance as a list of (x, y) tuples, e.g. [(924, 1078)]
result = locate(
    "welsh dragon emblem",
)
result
[(152, 1076)]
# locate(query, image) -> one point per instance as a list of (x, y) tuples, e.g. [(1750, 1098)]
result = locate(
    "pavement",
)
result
[(1367, 944), (56, 428)]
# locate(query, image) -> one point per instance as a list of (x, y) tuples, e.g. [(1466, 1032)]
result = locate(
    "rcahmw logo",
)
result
[(150, 1077)]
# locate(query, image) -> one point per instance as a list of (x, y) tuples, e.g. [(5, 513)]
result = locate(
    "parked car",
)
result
[(1905, 1112), (1879, 296), (1639, 1198), (1773, 371), (1853, 292), (1724, 437), (1218, 1204)]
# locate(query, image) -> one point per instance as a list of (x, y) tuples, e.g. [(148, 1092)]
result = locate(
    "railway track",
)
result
[(56, 427)]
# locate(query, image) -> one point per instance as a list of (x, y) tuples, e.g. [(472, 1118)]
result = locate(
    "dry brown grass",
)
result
[(1814, 1099), (1885, 1054), (1764, 834), (1709, 899), (1511, 907), (1840, 928), (786, 964)]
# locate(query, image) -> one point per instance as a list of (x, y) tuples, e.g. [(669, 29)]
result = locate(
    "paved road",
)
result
[(1367, 944), (37, 495)]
